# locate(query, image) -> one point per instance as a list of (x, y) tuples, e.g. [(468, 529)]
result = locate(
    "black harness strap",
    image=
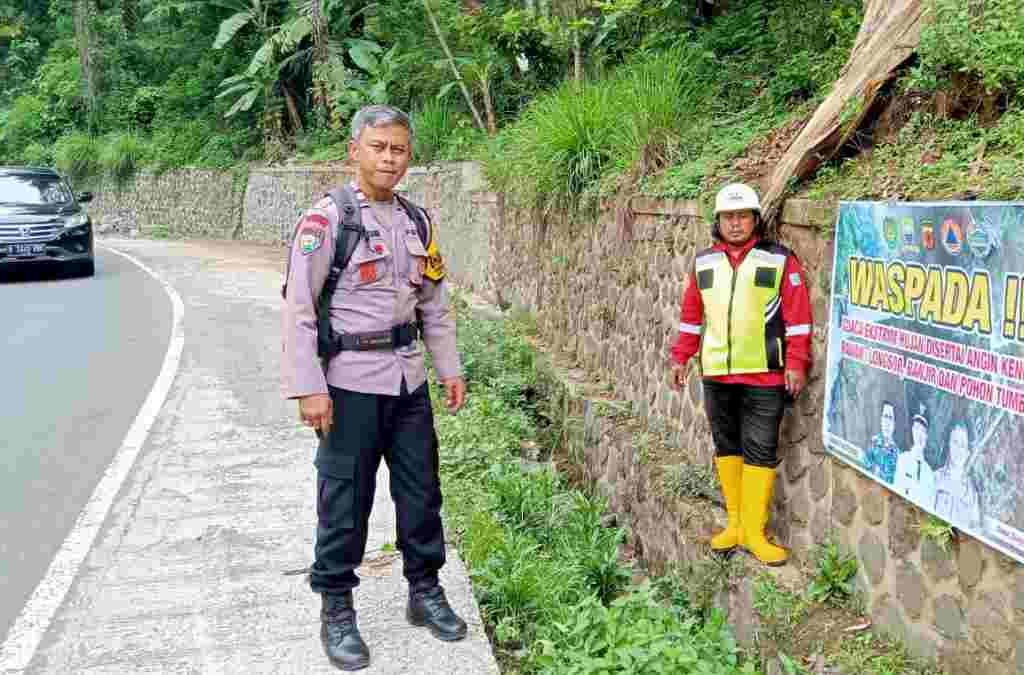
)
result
[(349, 232), (351, 229)]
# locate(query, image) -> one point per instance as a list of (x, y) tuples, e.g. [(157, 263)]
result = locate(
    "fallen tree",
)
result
[(888, 36)]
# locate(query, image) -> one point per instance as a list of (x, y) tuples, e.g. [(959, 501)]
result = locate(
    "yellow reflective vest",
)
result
[(743, 328)]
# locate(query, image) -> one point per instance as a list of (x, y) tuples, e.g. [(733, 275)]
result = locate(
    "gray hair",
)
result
[(379, 116)]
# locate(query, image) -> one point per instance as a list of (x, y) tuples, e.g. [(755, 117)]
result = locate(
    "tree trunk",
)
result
[(293, 108), (888, 36), (485, 91), (83, 40), (454, 67), (321, 52)]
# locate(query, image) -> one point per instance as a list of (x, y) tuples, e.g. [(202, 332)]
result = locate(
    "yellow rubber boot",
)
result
[(730, 474), (758, 484)]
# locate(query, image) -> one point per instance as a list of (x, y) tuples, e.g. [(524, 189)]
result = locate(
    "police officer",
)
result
[(373, 399), (746, 311)]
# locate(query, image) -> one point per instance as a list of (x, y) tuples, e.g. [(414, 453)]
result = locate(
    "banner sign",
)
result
[(925, 376)]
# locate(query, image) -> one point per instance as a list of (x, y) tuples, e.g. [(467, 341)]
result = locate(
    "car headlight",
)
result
[(76, 226)]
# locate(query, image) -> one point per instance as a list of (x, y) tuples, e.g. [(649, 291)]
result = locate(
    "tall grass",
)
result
[(568, 141), (77, 156), (694, 106), (122, 156), (433, 123)]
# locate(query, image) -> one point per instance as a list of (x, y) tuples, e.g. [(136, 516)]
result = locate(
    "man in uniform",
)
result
[(747, 313), (880, 458), (373, 400)]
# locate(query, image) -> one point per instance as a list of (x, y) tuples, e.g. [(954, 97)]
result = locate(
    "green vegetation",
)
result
[(957, 117), (551, 585), (824, 623), (672, 119), (934, 158), (691, 480), (781, 610), (564, 100), (833, 583), (880, 655), (983, 42), (557, 595), (938, 531)]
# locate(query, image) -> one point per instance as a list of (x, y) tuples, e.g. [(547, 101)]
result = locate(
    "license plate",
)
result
[(26, 249)]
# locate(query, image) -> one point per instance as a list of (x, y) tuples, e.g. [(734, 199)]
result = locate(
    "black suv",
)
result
[(41, 220)]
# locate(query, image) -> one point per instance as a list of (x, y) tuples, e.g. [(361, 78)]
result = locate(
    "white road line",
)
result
[(34, 620)]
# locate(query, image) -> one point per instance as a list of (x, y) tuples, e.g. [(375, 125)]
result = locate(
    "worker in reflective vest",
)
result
[(747, 315)]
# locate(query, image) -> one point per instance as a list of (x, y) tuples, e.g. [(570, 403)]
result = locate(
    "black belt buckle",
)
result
[(375, 341)]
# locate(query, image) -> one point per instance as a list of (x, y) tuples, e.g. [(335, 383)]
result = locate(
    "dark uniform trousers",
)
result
[(367, 427), (745, 420)]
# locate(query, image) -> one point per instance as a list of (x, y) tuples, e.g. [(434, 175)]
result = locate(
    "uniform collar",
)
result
[(361, 196)]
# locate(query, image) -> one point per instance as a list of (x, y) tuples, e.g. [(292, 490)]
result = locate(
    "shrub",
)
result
[(636, 634), (37, 154), (121, 157), (983, 39), (833, 583), (179, 144), (77, 156), (24, 124)]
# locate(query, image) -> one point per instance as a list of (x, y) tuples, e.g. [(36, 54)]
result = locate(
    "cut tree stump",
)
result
[(888, 36)]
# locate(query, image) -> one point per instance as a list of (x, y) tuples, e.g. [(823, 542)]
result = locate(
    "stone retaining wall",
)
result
[(610, 306), (186, 203), (607, 306), (264, 204)]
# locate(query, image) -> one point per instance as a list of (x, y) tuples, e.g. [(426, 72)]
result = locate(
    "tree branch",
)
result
[(455, 69)]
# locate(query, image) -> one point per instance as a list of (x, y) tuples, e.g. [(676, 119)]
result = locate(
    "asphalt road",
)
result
[(78, 358)]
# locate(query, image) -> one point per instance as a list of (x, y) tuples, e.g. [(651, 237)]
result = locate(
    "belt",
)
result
[(402, 335)]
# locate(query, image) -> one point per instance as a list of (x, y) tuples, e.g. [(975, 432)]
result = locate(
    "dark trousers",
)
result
[(745, 420), (366, 428)]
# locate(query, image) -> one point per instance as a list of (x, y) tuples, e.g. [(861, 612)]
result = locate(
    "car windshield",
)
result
[(33, 189)]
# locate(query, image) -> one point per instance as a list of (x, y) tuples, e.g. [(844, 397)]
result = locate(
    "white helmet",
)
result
[(737, 197)]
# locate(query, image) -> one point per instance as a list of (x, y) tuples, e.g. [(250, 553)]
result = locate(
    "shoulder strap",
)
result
[(418, 216), (350, 229)]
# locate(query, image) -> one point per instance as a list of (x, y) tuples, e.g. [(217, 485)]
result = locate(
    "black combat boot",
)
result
[(428, 607), (339, 633)]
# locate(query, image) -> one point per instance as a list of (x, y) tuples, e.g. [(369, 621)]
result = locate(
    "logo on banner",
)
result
[(928, 234), (890, 231), (909, 237), (952, 236), (980, 242)]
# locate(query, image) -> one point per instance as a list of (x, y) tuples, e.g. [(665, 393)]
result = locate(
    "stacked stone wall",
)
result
[(184, 203), (605, 291), (609, 305)]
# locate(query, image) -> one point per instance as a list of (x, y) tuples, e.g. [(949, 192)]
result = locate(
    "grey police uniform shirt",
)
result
[(383, 286)]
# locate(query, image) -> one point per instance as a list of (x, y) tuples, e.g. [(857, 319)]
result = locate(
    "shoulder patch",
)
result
[(315, 219), (435, 268), (310, 239)]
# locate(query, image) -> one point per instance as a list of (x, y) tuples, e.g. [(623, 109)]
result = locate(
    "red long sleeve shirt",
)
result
[(796, 315)]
